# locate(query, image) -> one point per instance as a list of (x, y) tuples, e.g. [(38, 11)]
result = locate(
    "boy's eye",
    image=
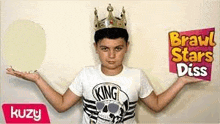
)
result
[(104, 48), (118, 48)]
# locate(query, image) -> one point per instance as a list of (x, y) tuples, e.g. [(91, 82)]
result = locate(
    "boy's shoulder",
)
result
[(90, 69), (133, 70)]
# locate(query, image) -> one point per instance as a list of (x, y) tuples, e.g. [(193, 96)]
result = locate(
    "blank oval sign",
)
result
[(24, 45)]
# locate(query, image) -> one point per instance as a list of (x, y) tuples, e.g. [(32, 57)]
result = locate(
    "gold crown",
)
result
[(110, 21)]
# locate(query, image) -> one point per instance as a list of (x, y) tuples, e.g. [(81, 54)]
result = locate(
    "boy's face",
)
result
[(111, 52)]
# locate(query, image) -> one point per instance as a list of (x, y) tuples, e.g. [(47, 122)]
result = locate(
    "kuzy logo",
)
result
[(26, 113)]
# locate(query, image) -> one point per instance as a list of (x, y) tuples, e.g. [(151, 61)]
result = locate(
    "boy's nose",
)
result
[(111, 54)]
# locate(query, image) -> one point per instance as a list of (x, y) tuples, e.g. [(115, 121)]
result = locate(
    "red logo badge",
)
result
[(25, 113)]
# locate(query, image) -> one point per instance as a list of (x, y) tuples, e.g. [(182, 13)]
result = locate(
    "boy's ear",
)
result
[(95, 45), (128, 45)]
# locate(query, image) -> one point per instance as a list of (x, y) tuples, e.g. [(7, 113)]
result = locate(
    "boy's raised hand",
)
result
[(188, 79), (24, 75), (60, 102)]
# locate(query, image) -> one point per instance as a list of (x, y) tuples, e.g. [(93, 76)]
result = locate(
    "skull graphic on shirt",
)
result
[(111, 104)]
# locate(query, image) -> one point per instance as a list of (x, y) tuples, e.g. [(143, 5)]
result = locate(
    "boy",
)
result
[(109, 90)]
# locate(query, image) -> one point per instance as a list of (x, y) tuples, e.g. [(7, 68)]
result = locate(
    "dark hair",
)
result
[(111, 33)]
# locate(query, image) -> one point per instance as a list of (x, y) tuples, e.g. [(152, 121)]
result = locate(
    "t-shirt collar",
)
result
[(100, 71)]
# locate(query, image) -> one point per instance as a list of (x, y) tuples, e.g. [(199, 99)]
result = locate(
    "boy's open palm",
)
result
[(188, 79), (24, 75)]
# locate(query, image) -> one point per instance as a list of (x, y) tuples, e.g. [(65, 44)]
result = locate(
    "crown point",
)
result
[(110, 8), (123, 10), (95, 12)]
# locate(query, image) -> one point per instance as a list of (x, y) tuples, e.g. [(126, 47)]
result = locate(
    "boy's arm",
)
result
[(157, 103), (60, 102)]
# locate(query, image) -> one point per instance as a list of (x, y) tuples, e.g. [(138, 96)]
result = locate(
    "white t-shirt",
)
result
[(110, 99)]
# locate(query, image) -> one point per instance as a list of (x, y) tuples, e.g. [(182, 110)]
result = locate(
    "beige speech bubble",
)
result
[(24, 45)]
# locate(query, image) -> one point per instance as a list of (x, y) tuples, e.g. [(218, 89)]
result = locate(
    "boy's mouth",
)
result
[(111, 62)]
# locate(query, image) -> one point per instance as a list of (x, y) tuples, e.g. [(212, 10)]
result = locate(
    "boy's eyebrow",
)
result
[(102, 46), (120, 46), (115, 46)]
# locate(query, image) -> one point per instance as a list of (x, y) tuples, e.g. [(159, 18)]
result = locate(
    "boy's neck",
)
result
[(111, 72)]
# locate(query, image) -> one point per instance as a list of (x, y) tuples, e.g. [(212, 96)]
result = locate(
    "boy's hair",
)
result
[(111, 33)]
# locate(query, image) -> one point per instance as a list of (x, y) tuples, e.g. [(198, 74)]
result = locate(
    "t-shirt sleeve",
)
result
[(77, 85), (145, 87)]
